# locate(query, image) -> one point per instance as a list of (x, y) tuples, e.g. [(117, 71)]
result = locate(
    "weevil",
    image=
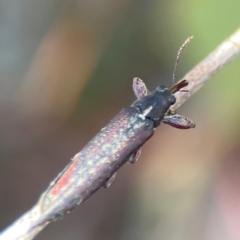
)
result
[(95, 166)]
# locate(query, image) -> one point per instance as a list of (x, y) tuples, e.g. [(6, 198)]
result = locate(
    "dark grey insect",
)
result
[(95, 166)]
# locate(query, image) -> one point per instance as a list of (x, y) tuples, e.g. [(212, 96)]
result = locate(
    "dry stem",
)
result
[(32, 222)]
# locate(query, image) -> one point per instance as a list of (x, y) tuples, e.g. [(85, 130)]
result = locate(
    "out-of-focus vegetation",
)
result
[(66, 68)]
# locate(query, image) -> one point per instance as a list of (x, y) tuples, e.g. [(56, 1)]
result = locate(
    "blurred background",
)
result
[(66, 69)]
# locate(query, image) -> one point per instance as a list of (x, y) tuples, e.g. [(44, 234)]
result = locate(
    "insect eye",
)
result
[(172, 100), (161, 89)]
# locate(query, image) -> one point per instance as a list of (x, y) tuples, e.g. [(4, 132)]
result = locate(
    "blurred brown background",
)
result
[(66, 68)]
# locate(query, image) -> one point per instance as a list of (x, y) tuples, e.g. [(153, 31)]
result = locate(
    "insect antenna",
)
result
[(179, 55)]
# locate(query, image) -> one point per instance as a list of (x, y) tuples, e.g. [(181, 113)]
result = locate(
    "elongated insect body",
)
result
[(120, 141), (107, 151)]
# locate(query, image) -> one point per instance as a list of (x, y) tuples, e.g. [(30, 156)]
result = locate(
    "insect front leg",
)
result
[(178, 121), (139, 88)]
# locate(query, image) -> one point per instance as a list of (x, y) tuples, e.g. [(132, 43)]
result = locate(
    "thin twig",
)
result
[(202, 72), (52, 205)]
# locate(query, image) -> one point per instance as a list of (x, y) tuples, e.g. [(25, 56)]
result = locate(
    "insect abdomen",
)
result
[(109, 149)]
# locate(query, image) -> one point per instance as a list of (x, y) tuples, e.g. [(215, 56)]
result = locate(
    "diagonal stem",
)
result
[(33, 221), (215, 61)]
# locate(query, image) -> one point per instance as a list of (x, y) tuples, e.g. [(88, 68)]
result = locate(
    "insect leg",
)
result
[(135, 156), (178, 121), (110, 181), (139, 88)]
